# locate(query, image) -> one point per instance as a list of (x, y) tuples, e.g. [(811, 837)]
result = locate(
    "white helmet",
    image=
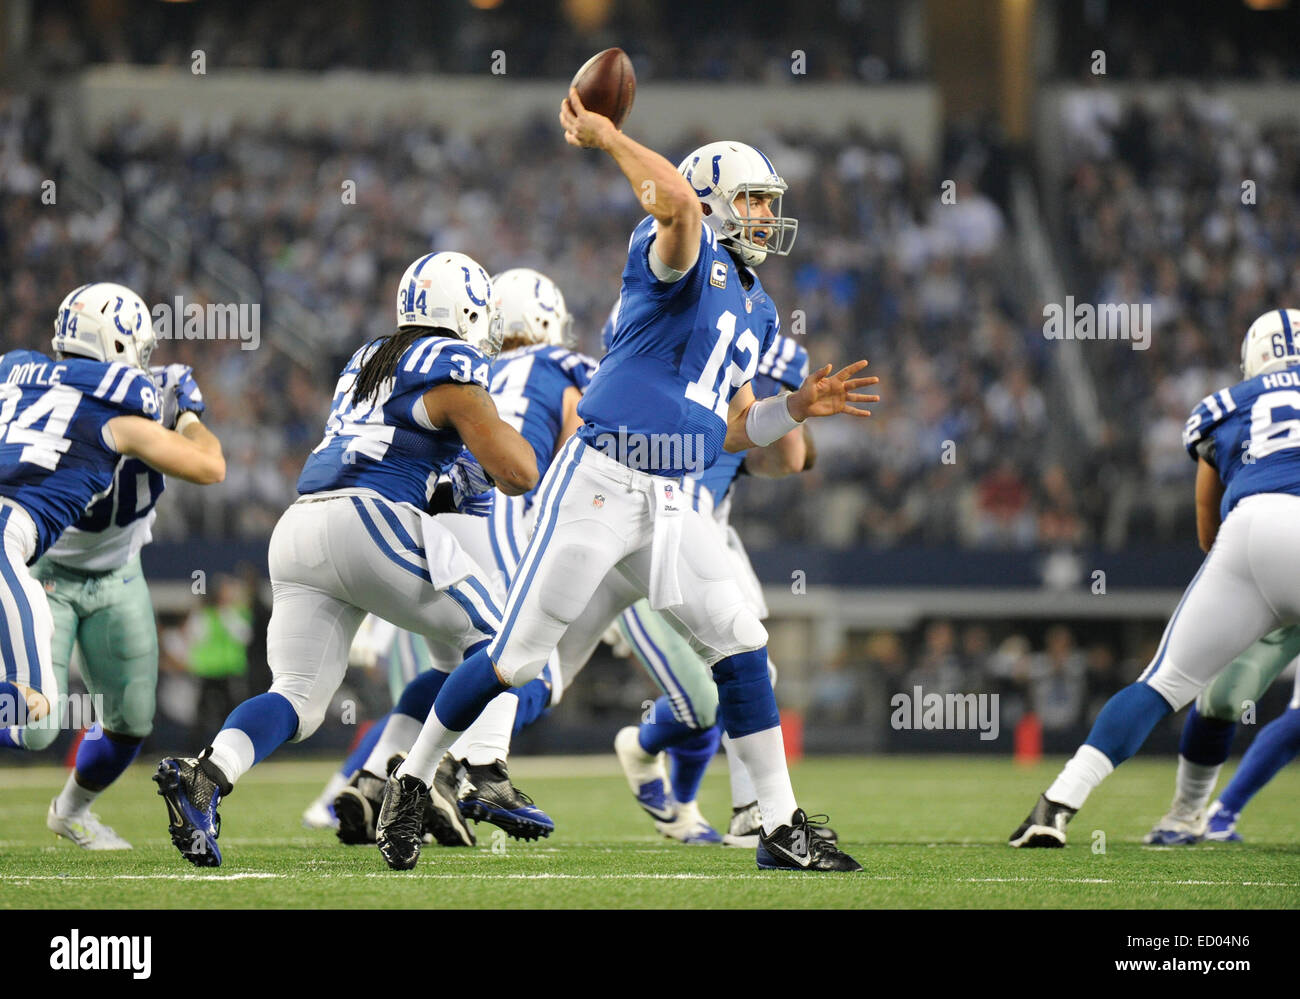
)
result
[(450, 291), (105, 322), (531, 307), (1272, 343), (718, 173)]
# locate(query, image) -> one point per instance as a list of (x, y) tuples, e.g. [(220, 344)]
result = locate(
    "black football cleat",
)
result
[(798, 847), (357, 808), (746, 821), (192, 792), (1045, 826), (488, 796), (399, 831), (445, 825)]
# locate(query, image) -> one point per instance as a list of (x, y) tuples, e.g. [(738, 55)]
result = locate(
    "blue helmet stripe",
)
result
[(410, 290), (1286, 328), (771, 169)]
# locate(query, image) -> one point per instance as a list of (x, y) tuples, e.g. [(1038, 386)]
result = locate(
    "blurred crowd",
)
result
[(839, 39), (1189, 208)]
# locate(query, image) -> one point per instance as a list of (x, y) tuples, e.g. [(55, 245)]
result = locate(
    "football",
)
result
[(606, 84)]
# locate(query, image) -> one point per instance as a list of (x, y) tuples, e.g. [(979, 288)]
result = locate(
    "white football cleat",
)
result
[(85, 830), (1176, 830), (319, 816), (746, 823), (690, 827), (646, 775)]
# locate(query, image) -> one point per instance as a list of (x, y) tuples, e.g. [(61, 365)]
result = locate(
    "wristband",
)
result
[(768, 420), (184, 420)]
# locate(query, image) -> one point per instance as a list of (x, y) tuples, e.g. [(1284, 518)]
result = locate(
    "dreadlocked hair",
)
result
[(381, 364)]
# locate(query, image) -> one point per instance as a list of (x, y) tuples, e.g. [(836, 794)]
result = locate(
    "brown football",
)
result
[(606, 84)]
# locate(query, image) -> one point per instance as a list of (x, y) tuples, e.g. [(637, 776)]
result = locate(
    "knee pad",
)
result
[(567, 582)]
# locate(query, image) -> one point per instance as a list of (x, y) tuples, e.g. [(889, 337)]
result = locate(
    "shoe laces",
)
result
[(408, 822)]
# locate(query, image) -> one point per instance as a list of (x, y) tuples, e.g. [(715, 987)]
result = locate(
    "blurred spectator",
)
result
[(1058, 681), (217, 635)]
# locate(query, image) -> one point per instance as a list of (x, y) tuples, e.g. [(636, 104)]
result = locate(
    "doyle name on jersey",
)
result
[(658, 402), (54, 460), (1251, 434)]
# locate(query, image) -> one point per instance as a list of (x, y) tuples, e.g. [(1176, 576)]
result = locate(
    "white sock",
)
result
[(1087, 768), (233, 753), (333, 786), (488, 739), (763, 754), (1195, 785), (74, 799), (399, 732), (742, 787), (423, 758)]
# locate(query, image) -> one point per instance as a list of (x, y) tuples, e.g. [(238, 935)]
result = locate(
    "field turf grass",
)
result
[(930, 832)]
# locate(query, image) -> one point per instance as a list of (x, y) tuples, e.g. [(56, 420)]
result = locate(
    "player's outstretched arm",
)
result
[(194, 456), (821, 394), (1209, 493), (662, 191), (498, 446)]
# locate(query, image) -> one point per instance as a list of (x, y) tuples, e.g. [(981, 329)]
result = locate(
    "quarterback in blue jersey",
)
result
[(1245, 440), (681, 724), (670, 396), (66, 424), (359, 540)]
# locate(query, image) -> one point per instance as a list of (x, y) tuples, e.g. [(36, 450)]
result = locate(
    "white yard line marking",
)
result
[(244, 876)]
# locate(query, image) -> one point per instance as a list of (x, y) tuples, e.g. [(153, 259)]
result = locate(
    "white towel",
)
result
[(449, 563), (665, 590)]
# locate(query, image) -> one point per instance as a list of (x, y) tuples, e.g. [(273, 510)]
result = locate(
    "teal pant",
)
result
[(1249, 675), (111, 616)]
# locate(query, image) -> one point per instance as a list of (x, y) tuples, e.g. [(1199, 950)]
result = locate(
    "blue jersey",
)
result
[(784, 366), (528, 388), (678, 354), (1251, 434), (387, 443), (53, 457)]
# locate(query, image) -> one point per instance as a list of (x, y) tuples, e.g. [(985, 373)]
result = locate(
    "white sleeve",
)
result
[(106, 433), (662, 271)]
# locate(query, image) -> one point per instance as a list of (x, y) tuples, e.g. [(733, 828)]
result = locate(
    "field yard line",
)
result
[(246, 876), (462, 875)]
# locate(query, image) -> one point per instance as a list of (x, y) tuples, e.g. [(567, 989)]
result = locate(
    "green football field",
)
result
[(930, 832)]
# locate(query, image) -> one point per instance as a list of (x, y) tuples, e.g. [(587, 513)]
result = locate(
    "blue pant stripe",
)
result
[(383, 546), (660, 666), (546, 519), (495, 524), (407, 541), (490, 605), (1169, 630), (468, 607), (25, 618)]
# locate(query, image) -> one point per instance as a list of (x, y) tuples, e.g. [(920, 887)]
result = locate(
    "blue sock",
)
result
[(1276, 745), (11, 738), (102, 760), (690, 758), (417, 699), (662, 730), (268, 720), (467, 692), (533, 696), (357, 758), (1126, 721), (746, 703), (1205, 741)]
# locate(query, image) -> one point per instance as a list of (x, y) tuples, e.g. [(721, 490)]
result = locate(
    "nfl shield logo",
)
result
[(668, 492), (598, 501)]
